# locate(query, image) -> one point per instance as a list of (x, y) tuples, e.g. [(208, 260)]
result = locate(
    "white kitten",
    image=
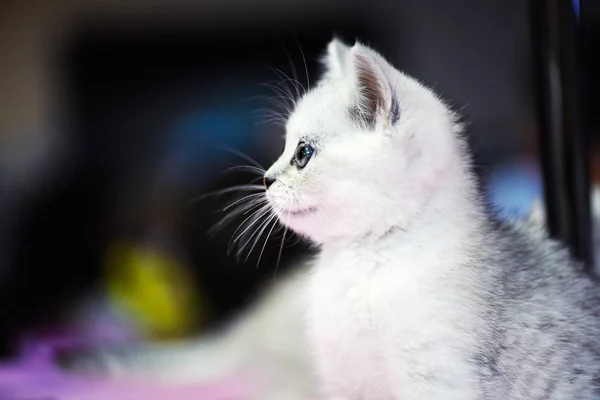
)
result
[(388, 194), (413, 292)]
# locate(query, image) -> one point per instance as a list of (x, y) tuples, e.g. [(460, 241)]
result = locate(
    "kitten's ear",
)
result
[(336, 58), (375, 97)]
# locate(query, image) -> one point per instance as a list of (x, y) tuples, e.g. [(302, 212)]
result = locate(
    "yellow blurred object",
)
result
[(155, 288)]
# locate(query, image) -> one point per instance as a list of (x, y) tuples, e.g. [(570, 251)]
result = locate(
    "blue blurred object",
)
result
[(198, 139), (576, 8), (514, 187)]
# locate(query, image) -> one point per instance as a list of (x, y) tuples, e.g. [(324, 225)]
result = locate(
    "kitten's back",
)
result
[(545, 340)]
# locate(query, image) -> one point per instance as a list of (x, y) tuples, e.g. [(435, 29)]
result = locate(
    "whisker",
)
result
[(279, 253), (245, 198), (240, 210), (243, 246), (280, 113), (265, 243), (297, 239), (281, 102), (294, 72), (265, 225), (288, 96), (279, 122), (240, 188), (264, 208), (305, 66), (254, 218), (276, 99), (257, 232), (281, 85), (243, 155), (294, 82), (245, 168), (270, 114)]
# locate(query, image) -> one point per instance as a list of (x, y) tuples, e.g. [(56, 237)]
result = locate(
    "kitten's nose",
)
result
[(268, 181)]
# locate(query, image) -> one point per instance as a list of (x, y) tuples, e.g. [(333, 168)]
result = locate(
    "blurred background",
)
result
[(116, 115)]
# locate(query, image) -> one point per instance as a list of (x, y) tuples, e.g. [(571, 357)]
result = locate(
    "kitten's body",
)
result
[(417, 292), (496, 326), (403, 303)]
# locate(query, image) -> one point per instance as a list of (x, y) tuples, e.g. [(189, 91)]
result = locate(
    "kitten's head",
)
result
[(365, 150)]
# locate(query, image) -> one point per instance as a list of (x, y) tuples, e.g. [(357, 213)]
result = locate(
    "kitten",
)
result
[(418, 293)]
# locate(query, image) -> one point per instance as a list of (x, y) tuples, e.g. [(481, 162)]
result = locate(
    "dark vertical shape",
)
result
[(564, 144)]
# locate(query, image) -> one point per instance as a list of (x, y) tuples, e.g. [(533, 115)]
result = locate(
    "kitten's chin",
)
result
[(297, 215), (303, 212), (301, 221)]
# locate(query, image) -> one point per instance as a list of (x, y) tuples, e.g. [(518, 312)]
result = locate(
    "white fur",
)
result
[(388, 310)]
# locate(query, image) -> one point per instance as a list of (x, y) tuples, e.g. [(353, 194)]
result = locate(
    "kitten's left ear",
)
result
[(375, 99)]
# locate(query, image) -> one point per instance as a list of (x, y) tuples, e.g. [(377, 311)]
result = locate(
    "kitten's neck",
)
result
[(453, 217)]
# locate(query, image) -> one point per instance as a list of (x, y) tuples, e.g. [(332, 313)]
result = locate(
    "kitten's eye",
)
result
[(304, 152)]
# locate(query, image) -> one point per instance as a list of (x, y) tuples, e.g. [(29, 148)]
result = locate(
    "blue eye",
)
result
[(303, 154)]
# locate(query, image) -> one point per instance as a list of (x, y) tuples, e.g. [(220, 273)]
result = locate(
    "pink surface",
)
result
[(34, 377), (26, 383)]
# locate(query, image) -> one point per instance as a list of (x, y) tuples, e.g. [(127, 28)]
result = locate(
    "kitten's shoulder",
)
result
[(530, 260), (529, 242)]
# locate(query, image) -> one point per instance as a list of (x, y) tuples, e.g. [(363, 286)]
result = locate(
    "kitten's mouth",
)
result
[(299, 212)]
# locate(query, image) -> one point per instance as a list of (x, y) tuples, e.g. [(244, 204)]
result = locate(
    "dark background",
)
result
[(148, 90)]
